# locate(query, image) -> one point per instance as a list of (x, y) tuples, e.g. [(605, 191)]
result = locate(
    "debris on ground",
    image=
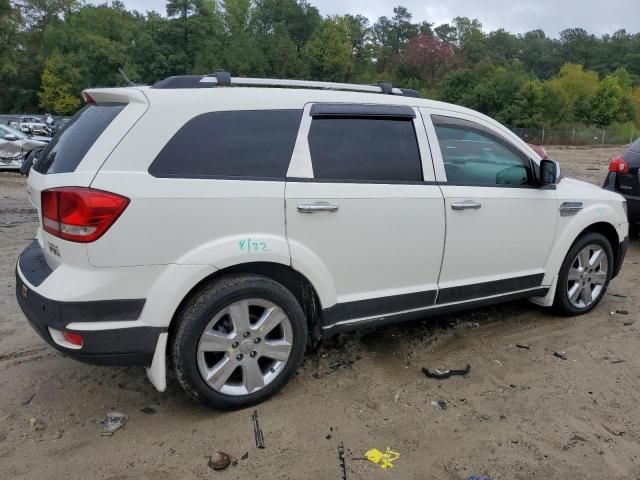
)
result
[(561, 355), (478, 477), (619, 311), (257, 431), (245, 456), (384, 459), (343, 466), (113, 421), (148, 410), (442, 374), (442, 404), (616, 295), (613, 359), (28, 400), (36, 424), (627, 323), (219, 460), (520, 345), (499, 362)]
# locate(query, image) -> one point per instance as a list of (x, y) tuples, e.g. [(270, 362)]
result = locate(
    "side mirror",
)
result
[(549, 172), (10, 137)]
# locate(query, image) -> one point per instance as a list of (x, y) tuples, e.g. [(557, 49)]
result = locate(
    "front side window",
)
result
[(364, 149), (473, 155)]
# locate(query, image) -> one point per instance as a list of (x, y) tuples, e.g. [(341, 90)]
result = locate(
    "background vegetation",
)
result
[(52, 49)]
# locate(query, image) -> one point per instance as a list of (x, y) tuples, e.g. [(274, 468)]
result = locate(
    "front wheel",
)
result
[(584, 276), (238, 341)]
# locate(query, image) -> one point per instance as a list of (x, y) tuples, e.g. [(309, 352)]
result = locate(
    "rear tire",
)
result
[(584, 275), (238, 341)]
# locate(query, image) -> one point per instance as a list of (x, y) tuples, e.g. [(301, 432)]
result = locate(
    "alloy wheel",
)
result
[(587, 276), (245, 347)]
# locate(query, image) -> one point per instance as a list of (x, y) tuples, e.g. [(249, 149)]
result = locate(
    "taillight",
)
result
[(619, 165), (80, 214)]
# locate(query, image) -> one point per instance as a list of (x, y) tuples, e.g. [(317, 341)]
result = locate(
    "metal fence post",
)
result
[(542, 139), (603, 130), (573, 133)]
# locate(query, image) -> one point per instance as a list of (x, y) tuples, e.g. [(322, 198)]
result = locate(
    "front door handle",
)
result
[(466, 205), (317, 207)]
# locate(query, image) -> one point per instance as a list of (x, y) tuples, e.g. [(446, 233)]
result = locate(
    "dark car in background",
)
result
[(623, 178)]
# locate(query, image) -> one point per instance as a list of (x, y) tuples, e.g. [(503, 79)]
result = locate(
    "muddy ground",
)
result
[(520, 414)]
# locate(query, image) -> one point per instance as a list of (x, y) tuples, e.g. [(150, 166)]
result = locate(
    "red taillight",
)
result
[(80, 214), (619, 165), (73, 338)]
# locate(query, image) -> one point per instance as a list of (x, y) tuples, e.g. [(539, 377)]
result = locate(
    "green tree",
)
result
[(58, 91), (571, 85), (608, 102), (328, 53)]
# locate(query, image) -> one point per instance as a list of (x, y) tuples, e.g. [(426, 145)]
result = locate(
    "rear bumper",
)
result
[(622, 252), (633, 201), (114, 346)]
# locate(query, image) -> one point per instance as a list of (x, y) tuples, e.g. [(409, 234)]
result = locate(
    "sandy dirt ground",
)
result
[(520, 413)]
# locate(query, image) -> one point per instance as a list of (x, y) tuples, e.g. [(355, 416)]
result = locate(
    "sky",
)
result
[(517, 16)]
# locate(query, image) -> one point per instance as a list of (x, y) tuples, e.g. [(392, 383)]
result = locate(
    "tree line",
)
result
[(52, 49)]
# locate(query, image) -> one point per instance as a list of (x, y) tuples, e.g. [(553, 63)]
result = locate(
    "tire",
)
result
[(229, 347), (596, 275)]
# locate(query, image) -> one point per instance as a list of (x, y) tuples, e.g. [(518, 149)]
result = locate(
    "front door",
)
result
[(364, 218), (500, 224)]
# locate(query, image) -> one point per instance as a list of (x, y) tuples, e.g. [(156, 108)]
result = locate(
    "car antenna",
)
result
[(126, 79)]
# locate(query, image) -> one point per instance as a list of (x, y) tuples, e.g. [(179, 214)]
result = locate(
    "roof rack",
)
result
[(221, 78)]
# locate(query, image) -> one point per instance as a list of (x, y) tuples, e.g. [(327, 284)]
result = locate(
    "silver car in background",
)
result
[(15, 146)]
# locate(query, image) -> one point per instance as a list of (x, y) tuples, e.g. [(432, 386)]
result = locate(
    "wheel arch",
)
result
[(562, 247), (291, 279)]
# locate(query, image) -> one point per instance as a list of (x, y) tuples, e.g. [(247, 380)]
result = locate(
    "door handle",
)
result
[(317, 207), (466, 205)]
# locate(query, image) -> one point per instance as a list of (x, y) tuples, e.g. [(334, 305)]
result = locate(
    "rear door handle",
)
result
[(317, 207), (466, 205)]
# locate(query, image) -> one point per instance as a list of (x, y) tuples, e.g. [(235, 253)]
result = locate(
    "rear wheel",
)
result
[(585, 274), (238, 341)]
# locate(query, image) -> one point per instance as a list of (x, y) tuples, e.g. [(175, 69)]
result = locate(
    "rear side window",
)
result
[(365, 149), (67, 149), (250, 143)]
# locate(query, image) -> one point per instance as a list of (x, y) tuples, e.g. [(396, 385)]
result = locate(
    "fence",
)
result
[(577, 135)]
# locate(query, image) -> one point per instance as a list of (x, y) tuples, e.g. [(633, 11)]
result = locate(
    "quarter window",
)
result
[(472, 155), (248, 143), (364, 149)]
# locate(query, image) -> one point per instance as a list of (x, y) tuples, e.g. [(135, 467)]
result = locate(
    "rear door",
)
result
[(500, 224), (365, 218)]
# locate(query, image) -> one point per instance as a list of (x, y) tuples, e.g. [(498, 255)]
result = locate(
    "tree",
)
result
[(328, 53), (390, 35), (58, 91), (607, 103), (572, 84), (428, 58)]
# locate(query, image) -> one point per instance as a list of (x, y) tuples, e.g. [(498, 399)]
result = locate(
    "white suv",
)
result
[(226, 223)]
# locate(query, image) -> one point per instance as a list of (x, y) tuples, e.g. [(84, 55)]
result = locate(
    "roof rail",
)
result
[(221, 78)]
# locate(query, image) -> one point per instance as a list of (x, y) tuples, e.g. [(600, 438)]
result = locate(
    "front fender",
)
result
[(570, 227)]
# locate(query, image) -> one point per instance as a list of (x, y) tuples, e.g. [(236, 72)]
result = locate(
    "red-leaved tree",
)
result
[(427, 58)]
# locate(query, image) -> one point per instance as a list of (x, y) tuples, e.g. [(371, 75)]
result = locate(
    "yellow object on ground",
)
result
[(384, 459)]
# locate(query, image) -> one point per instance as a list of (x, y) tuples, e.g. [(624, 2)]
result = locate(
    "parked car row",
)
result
[(16, 146)]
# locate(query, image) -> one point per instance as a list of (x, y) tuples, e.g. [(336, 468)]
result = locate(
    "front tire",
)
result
[(238, 341), (584, 275)]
